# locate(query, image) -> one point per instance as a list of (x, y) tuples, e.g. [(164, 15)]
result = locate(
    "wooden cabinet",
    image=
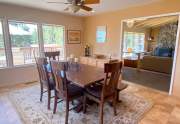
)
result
[(131, 63), (100, 63), (93, 61), (84, 60)]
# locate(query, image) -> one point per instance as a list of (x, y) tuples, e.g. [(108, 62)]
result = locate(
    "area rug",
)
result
[(32, 111)]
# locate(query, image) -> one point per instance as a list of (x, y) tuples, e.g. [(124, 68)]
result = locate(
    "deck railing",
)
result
[(25, 55)]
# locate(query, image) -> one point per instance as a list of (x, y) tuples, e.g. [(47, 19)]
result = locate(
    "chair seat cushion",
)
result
[(94, 90), (75, 91), (51, 84)]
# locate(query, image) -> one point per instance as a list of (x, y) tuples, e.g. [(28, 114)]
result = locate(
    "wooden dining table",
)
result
[(82, 75)]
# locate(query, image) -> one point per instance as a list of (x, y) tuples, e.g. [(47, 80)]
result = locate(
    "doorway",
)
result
[(149, 46)]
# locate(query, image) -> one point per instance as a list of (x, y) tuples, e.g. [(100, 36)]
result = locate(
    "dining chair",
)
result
[(120, 86), (46, 82), (64, 90), (107, 91), (52, 55)]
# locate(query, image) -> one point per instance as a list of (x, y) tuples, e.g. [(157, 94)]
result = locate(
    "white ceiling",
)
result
[(104, 6)]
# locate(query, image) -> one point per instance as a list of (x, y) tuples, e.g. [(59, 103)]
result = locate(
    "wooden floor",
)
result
[(166, 109)]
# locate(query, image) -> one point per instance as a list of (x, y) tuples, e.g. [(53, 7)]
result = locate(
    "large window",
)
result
[(20, 43), (2, 49), (133, 43), (53, 37), (24, 42)]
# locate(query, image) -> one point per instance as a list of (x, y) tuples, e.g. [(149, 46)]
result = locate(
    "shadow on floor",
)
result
[(146, 78)]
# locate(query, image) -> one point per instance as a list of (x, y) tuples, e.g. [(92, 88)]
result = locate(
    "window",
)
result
[(53, 37), (24, 41), (101, 34), (2, 49), (133, 41)]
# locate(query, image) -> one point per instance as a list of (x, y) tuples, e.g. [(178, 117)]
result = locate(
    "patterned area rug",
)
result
[(32, 111)]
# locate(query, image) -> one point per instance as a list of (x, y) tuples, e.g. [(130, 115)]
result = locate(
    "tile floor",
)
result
[(166, 109)]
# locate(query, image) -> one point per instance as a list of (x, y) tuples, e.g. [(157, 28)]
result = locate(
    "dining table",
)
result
[(82, 75)]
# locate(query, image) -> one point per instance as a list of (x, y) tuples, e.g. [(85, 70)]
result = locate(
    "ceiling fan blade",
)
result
[(58, 2), (86, 8), (91, 1), (70, 1)]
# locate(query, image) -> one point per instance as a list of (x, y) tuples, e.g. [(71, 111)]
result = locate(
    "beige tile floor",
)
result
[(166, 109)]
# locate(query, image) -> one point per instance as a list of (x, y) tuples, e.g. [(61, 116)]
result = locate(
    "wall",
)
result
[(152, 44), (13, 12), (167, 35), (113, 22)]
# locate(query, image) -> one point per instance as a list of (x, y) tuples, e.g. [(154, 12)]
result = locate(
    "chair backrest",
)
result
[(59, 74), (52, 55), (113, 60), (113, 71), (42, 70)]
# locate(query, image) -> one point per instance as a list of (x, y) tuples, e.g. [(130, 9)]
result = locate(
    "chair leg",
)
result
[(84, 104), (117, 98), (67, 111), (49, 98), (41, 95), (72, 102), (114, 104), (55, 104), (101, 112)]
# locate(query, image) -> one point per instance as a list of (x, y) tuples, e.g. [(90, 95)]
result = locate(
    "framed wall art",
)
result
[(74, 36)]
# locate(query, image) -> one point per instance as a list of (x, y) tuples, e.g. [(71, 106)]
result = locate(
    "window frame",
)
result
[(27, 22), (7, 40), (64, 35), (5, 49), (133, 34)]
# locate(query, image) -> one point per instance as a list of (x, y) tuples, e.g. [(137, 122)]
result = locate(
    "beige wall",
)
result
[(28, 74), (151, 45), (41, 16), (113, 22)]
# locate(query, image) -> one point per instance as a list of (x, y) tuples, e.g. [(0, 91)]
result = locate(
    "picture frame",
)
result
[(101, 34), (74, 36)]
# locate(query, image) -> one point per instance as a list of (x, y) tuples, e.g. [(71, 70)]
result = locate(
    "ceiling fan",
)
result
[(76, 5)]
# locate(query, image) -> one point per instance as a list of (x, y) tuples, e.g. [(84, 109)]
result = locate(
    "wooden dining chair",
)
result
[(64, 90), (120, 86), (46, 82), (52, 55), (107, 91)]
